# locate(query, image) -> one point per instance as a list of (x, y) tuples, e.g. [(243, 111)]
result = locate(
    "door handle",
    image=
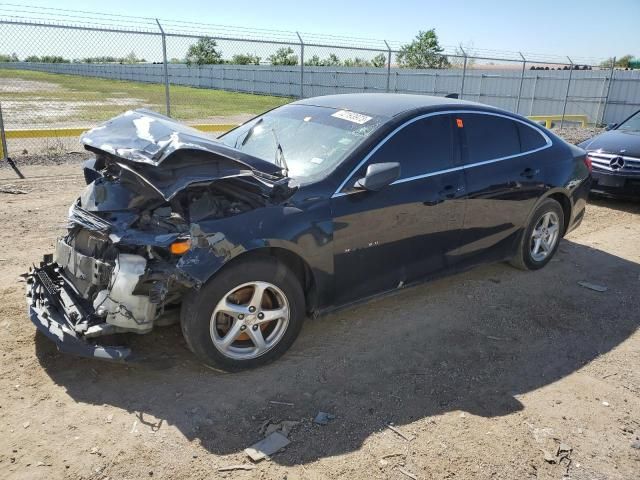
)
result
[(446, 193), (450, 191), (530, 172)]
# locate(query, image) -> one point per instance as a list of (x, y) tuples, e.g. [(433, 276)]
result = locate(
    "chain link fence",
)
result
[(61, 76)]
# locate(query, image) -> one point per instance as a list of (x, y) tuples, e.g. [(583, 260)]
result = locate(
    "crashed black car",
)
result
[(615, 156), (311, 206)]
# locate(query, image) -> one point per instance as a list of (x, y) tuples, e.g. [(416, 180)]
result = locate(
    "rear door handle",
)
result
[(530, 172), (450, 191)]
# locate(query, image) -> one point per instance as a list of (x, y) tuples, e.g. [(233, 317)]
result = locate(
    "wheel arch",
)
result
[(565, 202), (291, 260)]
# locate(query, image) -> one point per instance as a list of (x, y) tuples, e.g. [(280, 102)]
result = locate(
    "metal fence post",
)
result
[(388, 65), (166, 68), (524, 65), (533, 94), (566, 96), (4, 153), (301, 65), (464, 72), (606, 99)]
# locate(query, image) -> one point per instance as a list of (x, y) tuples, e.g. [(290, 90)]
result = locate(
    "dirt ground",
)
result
[(484, 373)]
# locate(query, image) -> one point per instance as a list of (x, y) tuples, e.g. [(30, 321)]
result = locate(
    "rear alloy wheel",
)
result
[(245, 316), (541, 237)]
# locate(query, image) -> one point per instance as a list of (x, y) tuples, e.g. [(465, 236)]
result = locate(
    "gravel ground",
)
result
[(494, 373)]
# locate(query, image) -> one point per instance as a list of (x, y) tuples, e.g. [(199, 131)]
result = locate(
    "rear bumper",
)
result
[(54, 306), (615, 185)]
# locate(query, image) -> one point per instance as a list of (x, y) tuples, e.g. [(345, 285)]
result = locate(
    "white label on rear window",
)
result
[(352, 117)]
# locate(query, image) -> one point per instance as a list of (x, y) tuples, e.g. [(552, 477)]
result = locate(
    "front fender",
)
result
[(305, 233)]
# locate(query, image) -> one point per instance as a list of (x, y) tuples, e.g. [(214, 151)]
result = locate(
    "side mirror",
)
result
[(379, 175), (611, 126)]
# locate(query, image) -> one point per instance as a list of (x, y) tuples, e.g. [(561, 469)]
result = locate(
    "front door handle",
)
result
[(530, 172), (447, 193)]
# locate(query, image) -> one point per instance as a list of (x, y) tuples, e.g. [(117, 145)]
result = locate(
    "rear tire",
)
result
[(240, 335), (541, 238)]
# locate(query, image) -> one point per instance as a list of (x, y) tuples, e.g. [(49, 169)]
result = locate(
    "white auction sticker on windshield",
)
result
[(351, 117)]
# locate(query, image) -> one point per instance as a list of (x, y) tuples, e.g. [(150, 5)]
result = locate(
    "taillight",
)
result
[(587, 162)]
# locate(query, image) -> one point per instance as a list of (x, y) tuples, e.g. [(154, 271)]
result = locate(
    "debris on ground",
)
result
[(12, 190), (398, 432), (407, 473), (323, 418), (231, 468), (283, 427), (593, 286), (266, 447), (276, 402), (636, 445)]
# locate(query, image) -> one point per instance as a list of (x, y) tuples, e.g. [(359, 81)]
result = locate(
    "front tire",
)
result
[(541, 238), (246, 316)]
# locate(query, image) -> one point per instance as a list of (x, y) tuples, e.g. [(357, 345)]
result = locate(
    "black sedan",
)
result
[(615, 156), (311, 206)]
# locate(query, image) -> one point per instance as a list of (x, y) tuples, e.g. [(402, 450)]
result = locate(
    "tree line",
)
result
[(424, 51), (129, 59)]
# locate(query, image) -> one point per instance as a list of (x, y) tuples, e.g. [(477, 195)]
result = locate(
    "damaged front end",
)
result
[(117, 268)]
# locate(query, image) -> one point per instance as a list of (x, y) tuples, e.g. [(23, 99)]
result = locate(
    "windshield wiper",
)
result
[(249, 134), (280, 159)]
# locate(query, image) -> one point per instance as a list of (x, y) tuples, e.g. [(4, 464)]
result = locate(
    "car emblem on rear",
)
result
[(616, 163)]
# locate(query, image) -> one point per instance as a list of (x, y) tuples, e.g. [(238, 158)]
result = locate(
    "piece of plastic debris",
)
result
[(563, 448), (283, 427), (605, 404), (26, 424), (398, 432), (275, 402), (593, 286), (548, 457), (323, 418), (231, 468), (267, 446), (407, 473)]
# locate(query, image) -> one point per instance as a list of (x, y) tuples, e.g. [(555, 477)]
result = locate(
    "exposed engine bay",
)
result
[(117, 268)]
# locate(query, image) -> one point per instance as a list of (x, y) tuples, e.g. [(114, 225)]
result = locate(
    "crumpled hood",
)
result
[(150, 138), (615, 141)]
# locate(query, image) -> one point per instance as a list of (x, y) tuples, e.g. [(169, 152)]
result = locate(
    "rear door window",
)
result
[(489, 137), (530, 139)]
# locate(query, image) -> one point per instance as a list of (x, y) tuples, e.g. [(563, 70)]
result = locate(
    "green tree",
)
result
[(204, 52), (423, 52), (245, 59), (621, 62), (314, 61), (283, 56), (8, 58), (132, 58), (356, 62), (379, 60), (46, 59), (624, 61)]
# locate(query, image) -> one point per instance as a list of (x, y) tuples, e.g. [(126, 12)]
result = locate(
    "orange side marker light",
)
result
[(180, 247)]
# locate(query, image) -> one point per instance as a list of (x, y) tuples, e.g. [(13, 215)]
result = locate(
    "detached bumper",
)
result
[(56, 309)]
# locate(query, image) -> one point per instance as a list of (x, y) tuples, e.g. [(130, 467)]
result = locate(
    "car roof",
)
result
[(386, 104)]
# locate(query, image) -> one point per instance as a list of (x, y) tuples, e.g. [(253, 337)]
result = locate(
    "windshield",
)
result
[(308, 142), (631, 125)]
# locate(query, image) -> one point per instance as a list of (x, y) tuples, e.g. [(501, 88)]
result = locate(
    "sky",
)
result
[(579, 28)]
